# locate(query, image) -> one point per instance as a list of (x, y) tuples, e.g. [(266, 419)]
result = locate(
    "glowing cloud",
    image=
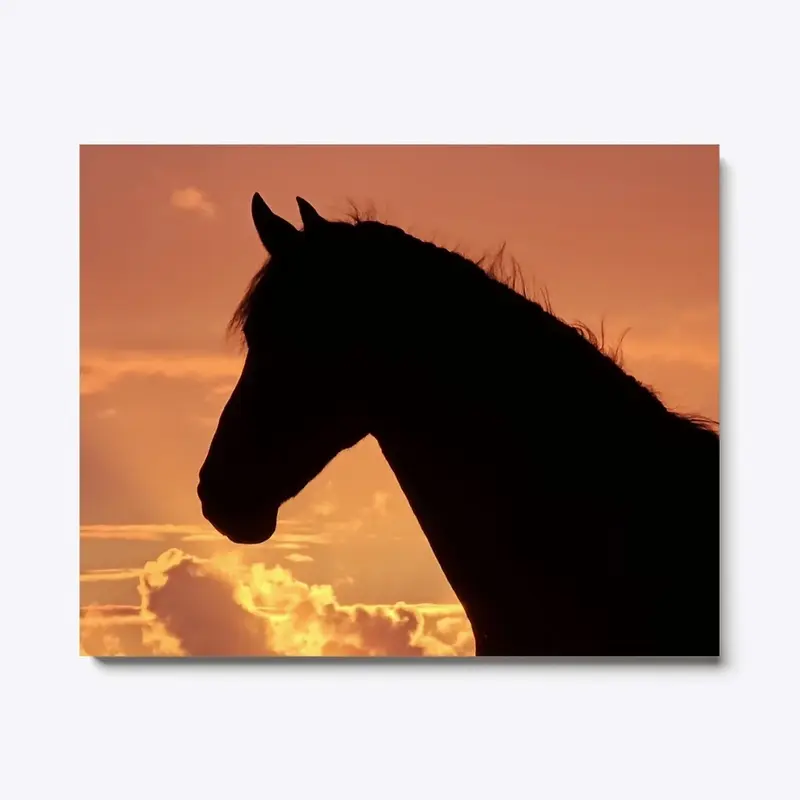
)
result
[(193, 199), (221, 607)]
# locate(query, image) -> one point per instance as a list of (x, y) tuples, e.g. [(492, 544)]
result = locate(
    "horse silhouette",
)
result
[(572, 513)]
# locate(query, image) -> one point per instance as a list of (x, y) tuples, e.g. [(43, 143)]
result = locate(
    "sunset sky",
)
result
[(628, 235)]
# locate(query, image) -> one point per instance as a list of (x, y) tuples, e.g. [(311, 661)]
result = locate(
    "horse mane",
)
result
[(504, 271)]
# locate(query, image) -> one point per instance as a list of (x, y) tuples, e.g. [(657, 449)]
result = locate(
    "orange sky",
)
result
[(629, 234)]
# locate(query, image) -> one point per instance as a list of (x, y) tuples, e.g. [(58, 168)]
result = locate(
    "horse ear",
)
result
[(275, 232), (308, 213)]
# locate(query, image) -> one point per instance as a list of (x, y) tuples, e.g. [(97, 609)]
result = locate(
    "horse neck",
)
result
[(525, 456), (453, 439), (479, 410), (526, 518)]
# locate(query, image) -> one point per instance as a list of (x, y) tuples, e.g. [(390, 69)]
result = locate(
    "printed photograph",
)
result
[(399, 401)]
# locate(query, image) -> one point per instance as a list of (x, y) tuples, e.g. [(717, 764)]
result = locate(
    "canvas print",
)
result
[(379, 401)]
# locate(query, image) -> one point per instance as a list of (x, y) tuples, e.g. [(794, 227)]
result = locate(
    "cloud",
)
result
[(139, 533), (148, 533), (324, 509), (298, 558), (689, 336), (202, 537), (99, 369), (94, 615), (113, 630), (193, 199), (673, 351), (287, 535), (95, 575), (380, 501), (222, 607)]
